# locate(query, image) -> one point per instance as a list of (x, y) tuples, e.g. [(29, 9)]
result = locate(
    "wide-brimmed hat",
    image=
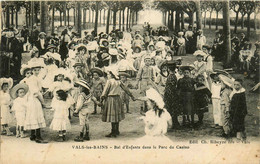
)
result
[(161, 37), (59, 71), (180, 33), (179, 58), (104, 41), (105, 56), (51, 46), (36, 62), (83, 83), (138, 47), (72, 43), (151, 45), (9, 81), (81, 47), (186, 67), (23, 68), (152, 94), (113, 69), (55, 56), (171, 52), (78, 64), (226, 80), (14, 90), (42, 33), (208, 47), (96, 70), (123, 73), (213, 74), (113, 51), (199, 53)]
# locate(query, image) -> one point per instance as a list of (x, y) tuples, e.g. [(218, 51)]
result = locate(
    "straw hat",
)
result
[(78, 64), (81, 47), (105, 56), (226, 80), (187, 67), (213, 74), (113, 51), (123, 73), (36, 62), (23, 68), (83, 83), (96, 70), (152, 94), (51, 46), (113, 69), (179, 58), (9, 81), (42, 33), (72, 43), (199, 53), (138, 48), (14, 90), (55, 56)]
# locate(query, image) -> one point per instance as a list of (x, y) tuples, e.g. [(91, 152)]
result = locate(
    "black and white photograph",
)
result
[(127, 81)]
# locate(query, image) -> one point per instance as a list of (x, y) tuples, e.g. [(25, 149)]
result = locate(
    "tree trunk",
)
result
[(68, 17), (136, 17), (26, 17), (255, 20), (29, 18), (108, 18), (111, 16), (114, 19), (123, 19), (171, 20), (120, 13), (64, 14), (191, 17), (100, 18), (127, 18), (217, 21), (236, 21), (133, 18), (210, 14), (84, 18), (205, 14), (74, 16), (177, 20), (8, 16), (130, 18), (248, 24), (16, 19), (182, 20), (60, 19), (96, 20), (12, 16), (242, 22), (89, 15), (79, 19), (52, 19), (226, 31), (198, 15), (104, 17), (32, 16), (44, 16)]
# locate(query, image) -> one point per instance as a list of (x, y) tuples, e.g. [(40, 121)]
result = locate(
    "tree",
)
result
[(44, 16), (198, 15), (189, 7), (249, 7), (226, 30), (108, 17), (217, 6), (236, 6), (96, 20), (243, 13)]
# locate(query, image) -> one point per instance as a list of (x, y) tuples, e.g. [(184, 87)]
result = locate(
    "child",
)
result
[(20, 106), (224, 104), (215, 90), (145, 78), (125, 97), (200, 65), (60, 120), (83, 109), (186, 89), (113, 109), (5, 102), (201, 98), (26, 72), (238, 110), (98, 84)]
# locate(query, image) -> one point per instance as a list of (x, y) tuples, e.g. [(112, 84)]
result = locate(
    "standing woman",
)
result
[(65, 39), (181, 45), (171, 99), (113, 106)]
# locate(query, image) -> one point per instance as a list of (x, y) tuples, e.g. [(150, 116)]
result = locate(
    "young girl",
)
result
[(200, 65), (124, 96), (26, 72), (5, 102), (97, 86), (113, 109), (60, 120), (226, 86), (83, 103), (238, 110), (20, 106), (186, 89), (34, 120), (201, 98)]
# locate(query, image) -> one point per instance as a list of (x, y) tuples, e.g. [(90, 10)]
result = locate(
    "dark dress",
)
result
[(186, 88), (238, 111), (201, 98), (171, 97)]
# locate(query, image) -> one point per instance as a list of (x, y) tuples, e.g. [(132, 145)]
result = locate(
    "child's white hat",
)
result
[(152, 94), (226, 80), (199, 53), (17, 87), (9, 81), (23, 68)]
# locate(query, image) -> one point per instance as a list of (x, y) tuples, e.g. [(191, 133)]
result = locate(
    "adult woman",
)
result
[(171, 99), (65, 39), (113, 106)]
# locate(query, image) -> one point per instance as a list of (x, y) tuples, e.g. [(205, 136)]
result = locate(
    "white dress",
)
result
[(5, 101), (34, 115), (60, 118), (20, 107)]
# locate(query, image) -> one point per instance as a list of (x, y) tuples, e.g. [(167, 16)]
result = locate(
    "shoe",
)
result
[(117, 133), (64, 138), (111, 135), (86, 137), (22, 135), (94, 113), (33, 137), (79, 139), (129, 112), (40, 140)]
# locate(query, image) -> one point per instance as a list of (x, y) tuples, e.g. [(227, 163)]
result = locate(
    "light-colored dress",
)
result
[(60, 118), (34, 115), (20, 107), (215, 90), (5, 101)]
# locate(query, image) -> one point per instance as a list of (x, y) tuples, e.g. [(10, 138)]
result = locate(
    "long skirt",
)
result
[(113, 109), (227, 126), (187, 103), (181, 51), (6, 117), (216, 111)]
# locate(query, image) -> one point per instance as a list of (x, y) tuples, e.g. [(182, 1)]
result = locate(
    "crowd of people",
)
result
[(82, 74)]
